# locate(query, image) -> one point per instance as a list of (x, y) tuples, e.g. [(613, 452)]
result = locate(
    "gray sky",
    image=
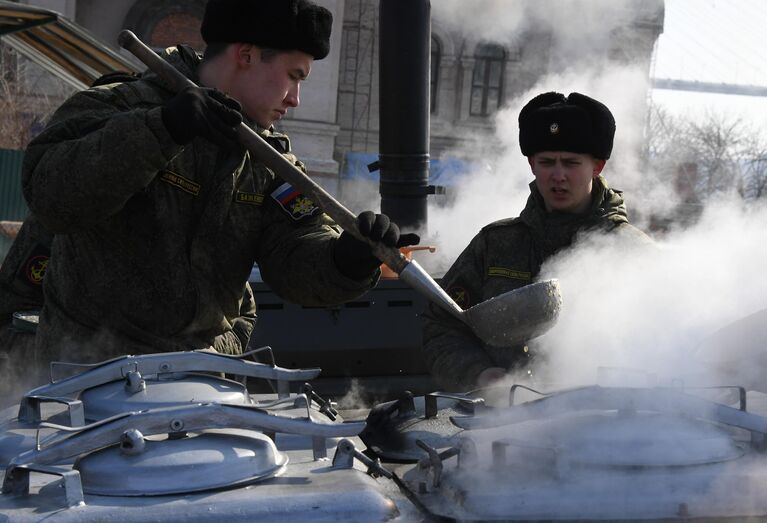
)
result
[(719, 41)]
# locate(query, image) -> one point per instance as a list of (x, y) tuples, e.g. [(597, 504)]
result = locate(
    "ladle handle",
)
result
[(260, 149)]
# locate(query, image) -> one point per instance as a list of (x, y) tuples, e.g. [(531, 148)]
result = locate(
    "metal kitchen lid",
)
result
[(14, 441), (639, 439), (173, 389), (393, 428), (209, 460)]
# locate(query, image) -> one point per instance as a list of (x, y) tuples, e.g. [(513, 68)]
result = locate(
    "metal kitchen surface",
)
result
[(160, 437), (598, 454), (164, 437)]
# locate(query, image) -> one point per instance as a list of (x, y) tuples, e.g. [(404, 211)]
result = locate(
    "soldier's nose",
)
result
[(292, 99)]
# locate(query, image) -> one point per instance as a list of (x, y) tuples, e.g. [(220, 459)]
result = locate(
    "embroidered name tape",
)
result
[(508, 273), (176, 180), (252, 198)]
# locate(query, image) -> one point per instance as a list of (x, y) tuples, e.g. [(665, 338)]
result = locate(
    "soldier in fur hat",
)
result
[(567, 142), (158, 214)]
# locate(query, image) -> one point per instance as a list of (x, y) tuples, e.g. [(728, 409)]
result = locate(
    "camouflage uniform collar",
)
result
[(278, 140), (606, 204), (183, 58), (609, 205), (553, 231)]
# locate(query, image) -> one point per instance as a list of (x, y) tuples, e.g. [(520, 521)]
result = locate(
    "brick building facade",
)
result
[(471, 78)]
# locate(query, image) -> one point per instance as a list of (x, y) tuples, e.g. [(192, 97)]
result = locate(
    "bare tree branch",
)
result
[(28, 97)]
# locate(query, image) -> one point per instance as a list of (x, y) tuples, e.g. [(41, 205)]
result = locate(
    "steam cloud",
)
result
[(646, 310), (500, 189), (656, 309), (502, 21)]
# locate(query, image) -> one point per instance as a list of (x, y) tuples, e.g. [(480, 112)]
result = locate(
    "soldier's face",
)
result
[(565, 179), (267, 88)]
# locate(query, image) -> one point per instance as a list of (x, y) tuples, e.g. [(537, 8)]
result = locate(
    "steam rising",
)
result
[(502, 21), (500, 190), (652, 309), (645, 310)]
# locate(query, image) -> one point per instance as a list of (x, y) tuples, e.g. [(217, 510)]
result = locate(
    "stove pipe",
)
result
[(405, 51)]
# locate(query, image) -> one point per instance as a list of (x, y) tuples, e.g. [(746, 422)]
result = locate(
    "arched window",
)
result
[(436, 56), (162, 23), (487, 80)]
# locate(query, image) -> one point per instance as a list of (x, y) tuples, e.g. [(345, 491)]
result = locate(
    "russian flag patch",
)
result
[(293, 202)]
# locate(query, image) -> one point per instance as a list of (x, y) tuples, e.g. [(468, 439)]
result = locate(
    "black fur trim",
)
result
[(275, 24), (576, 123)]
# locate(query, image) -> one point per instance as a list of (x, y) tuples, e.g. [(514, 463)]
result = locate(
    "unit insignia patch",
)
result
[(293, 202)]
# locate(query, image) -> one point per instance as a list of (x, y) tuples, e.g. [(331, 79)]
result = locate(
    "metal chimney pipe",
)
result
[(405, 52)]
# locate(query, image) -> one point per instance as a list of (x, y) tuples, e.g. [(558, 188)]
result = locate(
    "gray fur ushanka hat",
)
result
[(275, 24), (576, 123)]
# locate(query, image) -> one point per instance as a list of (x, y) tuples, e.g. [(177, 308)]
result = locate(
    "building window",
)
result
[(436, 56), (163, 23), (349, 41), (487, 80), (177, 28)]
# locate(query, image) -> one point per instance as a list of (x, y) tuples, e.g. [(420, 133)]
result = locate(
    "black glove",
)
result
[(355, 258), (200, 111)]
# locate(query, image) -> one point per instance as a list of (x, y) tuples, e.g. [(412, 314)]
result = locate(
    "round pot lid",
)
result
[(642, 439), (208, 460), (176, 389), (392, 428)]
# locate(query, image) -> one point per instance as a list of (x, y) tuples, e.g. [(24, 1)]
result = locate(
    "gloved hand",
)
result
[(200, 111), (355, 258)]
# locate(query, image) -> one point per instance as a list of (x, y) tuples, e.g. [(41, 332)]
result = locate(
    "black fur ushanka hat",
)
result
[(274, 24), (576, 123)]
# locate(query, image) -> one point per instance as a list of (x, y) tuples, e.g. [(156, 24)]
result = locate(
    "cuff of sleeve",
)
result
[(348, 283), (168, 147), (469, 379), (351, 284), (228, 343)]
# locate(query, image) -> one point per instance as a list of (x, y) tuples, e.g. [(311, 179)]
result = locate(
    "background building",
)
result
[(474, 74), (471, 77)]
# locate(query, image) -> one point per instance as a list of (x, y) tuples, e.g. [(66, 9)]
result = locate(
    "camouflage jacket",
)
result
[(504, 256), (22, 271), (155, 241)]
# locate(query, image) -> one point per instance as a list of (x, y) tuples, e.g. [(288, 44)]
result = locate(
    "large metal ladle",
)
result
[(507, 319)]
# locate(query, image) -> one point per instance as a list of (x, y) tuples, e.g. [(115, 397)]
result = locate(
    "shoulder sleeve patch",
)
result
[(295, 204), (460, 296), (32, 271)]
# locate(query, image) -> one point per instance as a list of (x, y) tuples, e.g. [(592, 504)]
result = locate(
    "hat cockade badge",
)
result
[(554, 128)]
